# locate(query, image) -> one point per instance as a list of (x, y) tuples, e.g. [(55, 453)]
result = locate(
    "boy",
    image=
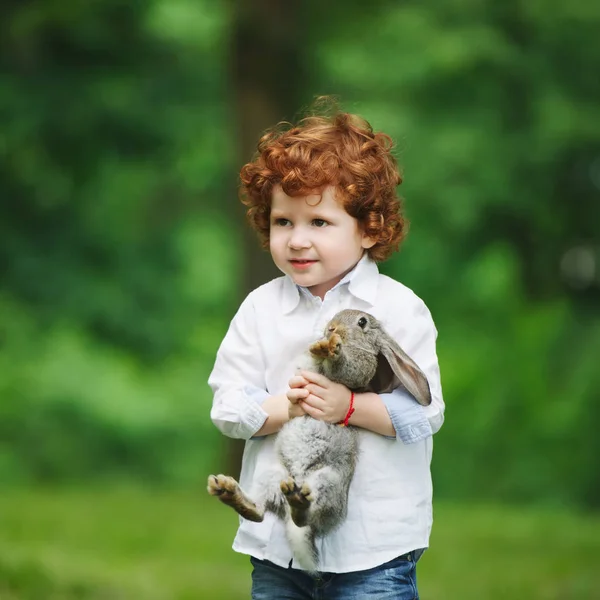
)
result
[(322, 197)]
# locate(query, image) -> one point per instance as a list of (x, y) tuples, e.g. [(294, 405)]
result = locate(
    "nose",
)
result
[(298, 239)]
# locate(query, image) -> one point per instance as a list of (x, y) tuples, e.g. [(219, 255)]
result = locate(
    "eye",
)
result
[(320, 223), (362, 322), (281, 222)]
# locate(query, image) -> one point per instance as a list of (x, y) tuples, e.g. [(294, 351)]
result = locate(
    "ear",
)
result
[(394, 369), (367, 242)]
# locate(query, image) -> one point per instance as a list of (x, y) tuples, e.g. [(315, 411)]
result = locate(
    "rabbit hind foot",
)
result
[(299, 499), (229, 492)]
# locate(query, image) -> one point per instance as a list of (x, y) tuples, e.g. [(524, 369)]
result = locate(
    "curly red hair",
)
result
[(339, 150)]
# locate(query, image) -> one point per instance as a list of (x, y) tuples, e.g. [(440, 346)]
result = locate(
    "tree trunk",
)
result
[(268, 83)]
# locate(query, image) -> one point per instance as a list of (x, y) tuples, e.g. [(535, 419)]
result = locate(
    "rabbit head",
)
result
[(358, 352)]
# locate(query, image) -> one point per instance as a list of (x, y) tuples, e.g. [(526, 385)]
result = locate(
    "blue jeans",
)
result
[(394, 580)]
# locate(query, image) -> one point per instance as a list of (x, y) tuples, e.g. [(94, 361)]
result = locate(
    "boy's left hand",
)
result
[(327, 401)]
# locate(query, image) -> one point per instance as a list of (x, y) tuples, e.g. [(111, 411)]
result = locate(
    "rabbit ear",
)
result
[(395, 368)]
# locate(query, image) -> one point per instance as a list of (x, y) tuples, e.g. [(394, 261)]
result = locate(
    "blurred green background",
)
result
[(124, 254)]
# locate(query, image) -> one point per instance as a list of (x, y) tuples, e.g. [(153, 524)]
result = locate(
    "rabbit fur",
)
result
[(309, 488)]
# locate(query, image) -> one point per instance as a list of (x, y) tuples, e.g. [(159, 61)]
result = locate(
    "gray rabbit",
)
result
[(309, 489)]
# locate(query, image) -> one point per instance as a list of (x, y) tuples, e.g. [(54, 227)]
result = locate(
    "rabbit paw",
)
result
[(320, 349), (229, 492), (222, 486), (328, 348), (297, 497), (288, 486), (335, 345), (299, 500)]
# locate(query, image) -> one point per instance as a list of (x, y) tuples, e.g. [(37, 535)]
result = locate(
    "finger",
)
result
[(316, 390), (293, 395), (298, 392), (315, 402), (297, 381), (315, 378), (315, 413)]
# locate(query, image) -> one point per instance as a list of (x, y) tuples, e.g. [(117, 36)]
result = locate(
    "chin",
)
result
[(307, 283), (303, 282)]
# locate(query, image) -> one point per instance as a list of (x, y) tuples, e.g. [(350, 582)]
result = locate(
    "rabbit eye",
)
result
[(362, 322)]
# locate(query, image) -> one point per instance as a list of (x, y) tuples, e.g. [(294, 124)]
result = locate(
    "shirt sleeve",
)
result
[(237, 378), (407, 416), (412, 421)]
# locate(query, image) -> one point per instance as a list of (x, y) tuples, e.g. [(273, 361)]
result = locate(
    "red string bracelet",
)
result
[(350, 412)]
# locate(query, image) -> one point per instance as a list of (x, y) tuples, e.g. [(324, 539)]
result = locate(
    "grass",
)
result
[(146, 544)]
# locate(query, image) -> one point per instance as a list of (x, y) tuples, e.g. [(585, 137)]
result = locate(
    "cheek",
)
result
[(275, 241)]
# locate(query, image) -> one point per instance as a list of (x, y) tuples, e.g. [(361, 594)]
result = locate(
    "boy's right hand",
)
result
[(295, 394)]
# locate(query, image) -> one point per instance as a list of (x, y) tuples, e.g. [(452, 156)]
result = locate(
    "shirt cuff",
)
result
[(252, 413), (407, 416)]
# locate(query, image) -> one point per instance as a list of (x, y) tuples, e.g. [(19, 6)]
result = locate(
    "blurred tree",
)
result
[(270, 80)]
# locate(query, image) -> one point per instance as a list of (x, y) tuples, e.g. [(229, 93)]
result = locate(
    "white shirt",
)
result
[(390, 498)]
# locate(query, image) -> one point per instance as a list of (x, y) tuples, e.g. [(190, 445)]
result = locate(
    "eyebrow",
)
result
[(315, 214)]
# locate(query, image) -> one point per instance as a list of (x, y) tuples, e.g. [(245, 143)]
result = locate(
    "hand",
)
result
[(326, 400), (297, 391), (295, 395), (295, 410)]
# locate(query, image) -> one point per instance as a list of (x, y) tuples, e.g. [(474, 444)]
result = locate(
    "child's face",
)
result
[(314, 240)]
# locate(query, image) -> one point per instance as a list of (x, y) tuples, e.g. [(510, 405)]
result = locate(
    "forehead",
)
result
[(324, 201)]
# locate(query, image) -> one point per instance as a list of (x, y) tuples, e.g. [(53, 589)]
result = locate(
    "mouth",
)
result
[(299, 263)]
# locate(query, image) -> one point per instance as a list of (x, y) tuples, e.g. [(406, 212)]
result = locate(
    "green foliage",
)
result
[(102, 162), (109, 297), (121, 257), (74, 410)]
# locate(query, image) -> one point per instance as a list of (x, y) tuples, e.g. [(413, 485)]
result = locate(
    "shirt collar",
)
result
[(362, 283)]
